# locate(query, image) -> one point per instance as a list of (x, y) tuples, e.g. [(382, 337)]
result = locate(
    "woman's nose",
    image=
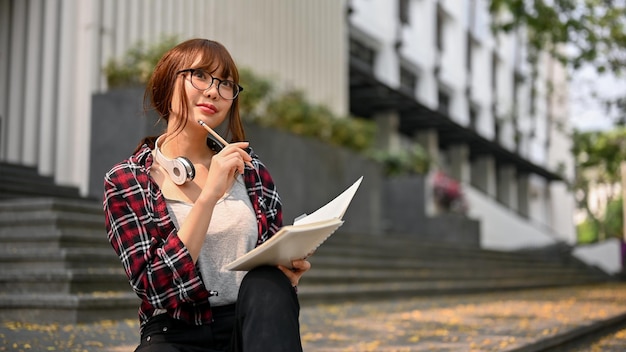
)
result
[(211, 92)]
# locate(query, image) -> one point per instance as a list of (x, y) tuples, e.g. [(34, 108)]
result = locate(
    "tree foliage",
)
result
[(599, 155), (593, 30), (581, 33)]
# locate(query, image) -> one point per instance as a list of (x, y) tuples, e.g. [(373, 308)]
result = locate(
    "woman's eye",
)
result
[(199, 74), (228, 84)]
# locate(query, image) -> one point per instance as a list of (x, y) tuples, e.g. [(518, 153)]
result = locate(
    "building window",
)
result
[(408, 80), (362, 53), (444, 103), (403, 11)]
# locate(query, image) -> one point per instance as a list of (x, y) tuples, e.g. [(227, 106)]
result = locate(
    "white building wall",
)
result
[(420, 52), (560, 157), (606, 255), (503, 229), (481, 89), (540, 117), (453, 76), (505, 54), (376, 24), (57, 49)]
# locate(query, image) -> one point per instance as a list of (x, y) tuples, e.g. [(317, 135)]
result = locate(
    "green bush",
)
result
[(614, 219), (587, 232), (256, 90), (291, 112), (136, 66), (406, 161)]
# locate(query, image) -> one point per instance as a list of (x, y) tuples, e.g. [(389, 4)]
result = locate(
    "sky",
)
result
[(586, 112)]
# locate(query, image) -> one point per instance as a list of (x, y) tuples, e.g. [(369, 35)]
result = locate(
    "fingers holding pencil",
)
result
[(247, 158)]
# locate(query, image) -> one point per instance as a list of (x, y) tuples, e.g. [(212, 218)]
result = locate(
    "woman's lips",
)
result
[(207, 108)]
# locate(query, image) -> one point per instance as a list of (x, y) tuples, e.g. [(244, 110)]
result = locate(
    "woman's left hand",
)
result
[(300, 266)]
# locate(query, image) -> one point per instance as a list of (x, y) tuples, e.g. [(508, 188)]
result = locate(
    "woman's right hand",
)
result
[(224, 165)]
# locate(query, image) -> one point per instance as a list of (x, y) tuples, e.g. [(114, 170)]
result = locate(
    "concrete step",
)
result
[(55, 281), (350, 275), (394, 246), (321, 293), (18, 181), (68, 308), (51, 223), (402, 250), (446, 262), (51, 204), (34, 237), (28, 258), (43, 212)]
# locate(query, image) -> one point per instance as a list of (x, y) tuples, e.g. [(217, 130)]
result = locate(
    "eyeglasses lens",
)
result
[(225, 88)]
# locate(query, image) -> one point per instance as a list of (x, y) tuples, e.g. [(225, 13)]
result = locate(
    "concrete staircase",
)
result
[(17, 181), (56, 264), (353, 267)]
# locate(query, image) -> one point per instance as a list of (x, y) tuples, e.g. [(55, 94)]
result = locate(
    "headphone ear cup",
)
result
[(190, 170), (180, 170)]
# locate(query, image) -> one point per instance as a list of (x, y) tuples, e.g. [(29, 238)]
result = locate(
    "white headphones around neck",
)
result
[(180, 170)]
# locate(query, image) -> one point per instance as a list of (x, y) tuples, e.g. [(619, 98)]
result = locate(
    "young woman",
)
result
[(177, 211)]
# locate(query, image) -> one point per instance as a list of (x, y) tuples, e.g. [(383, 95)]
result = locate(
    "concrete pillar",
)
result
[(523, 195), (85, 72), (459, 166), (386, 130), (32, 82), (483, 174), (429, 139), (5, 30), (14, 124), (507, 186), (48, 89), (66, 128)]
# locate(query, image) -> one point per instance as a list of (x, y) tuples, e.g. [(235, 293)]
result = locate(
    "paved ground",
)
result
[(505, 321)]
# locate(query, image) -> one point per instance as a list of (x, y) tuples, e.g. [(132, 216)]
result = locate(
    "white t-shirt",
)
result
[(232, 233)]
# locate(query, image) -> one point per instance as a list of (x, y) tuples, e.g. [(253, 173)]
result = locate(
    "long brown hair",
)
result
[(214, 58)]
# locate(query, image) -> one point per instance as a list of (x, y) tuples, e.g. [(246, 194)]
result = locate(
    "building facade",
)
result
[(427, 71), (489, 118)]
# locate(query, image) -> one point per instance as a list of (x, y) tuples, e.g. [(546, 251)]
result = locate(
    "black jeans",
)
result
[(265, 318)]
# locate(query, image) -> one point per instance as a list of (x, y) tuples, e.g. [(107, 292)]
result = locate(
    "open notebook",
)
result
[(300, 240)]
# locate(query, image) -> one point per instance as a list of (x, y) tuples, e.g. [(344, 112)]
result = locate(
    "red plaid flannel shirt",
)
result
[(141, 231)]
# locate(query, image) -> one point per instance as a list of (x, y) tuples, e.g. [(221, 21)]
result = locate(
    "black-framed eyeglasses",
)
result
[(202, 80)]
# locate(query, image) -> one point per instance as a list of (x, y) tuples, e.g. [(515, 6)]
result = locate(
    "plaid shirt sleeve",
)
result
[(265, 199), (158, 265)]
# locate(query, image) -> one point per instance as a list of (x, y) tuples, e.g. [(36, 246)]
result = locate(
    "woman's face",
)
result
[(205, 105)]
